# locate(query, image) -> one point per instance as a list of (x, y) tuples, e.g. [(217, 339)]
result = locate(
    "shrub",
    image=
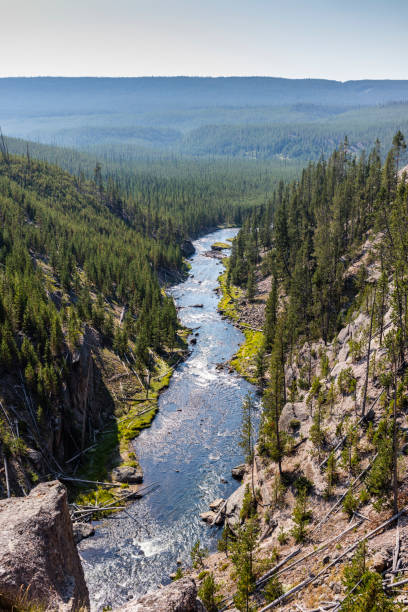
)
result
[(198, 554), (301, 517), (273, 589), (207, 593), (346, 381), (350, 503), (364, 496), (324, 365), (303, 484), (282, 537), (178, 574)]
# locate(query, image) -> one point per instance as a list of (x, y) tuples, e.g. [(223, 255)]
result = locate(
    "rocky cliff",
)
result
[(336, 481), (42, 441), (39, 561)]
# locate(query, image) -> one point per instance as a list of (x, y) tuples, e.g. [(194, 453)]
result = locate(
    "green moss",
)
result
[(116, 438), (221, 245), (100, 496), (244, 362), (230, 295)]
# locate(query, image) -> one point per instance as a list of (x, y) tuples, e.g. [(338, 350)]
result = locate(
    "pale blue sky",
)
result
[(344, 39)]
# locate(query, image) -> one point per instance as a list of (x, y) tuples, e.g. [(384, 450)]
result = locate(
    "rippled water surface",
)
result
[(189, 450)]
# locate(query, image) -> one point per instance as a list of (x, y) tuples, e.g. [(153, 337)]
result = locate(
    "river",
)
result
[(189, 450)]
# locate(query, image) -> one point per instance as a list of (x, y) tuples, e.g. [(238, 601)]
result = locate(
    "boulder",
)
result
[(35, 456), (128, 474), (380, 560), (82, 531), (187, 248), (238, 471), (216, 504), (207, 517), (39, 561), (180, 596)]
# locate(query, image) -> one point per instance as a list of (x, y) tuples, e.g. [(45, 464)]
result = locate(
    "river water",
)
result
[(189, 450)]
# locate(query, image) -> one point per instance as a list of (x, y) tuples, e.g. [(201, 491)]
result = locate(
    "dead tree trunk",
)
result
[(368, 354)]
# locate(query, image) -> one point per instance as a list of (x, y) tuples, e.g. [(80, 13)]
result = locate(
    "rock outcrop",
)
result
[(39, 562), (128, 474), (180, 596), (238, 472), (187, 248), (234, 505), (82, 531)]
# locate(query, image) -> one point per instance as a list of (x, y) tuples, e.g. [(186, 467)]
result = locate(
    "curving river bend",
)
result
[(189, 449)]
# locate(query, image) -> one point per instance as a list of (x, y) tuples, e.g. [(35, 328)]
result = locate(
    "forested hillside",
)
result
[(193, 194), (329, 467), (79, 270)]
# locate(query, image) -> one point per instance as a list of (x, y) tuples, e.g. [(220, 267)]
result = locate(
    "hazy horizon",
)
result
[(191, 76), (131, 38)]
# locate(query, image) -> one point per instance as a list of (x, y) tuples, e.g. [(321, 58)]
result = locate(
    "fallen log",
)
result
[(95, 482), (322, 547), (311, 579), (363, 418), (221, 510), (80, 453), (396, 584), (337, 504), (265, 576)]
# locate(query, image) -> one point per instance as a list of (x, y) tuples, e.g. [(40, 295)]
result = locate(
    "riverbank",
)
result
[(112, 458), (186, 454), (231, 305), (113, 449)]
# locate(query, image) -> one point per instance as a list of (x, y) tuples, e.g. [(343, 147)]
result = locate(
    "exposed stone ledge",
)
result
[(180, 596), (39, 561)]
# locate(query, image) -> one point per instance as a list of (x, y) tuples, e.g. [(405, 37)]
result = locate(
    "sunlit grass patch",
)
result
[(244, 361), (230, 294), (221, 245)]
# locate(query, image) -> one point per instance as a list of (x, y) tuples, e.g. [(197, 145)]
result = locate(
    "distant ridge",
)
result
[(55, 95), (247, 117)]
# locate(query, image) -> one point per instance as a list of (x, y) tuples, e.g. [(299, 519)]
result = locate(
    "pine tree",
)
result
[(242, 556), (301, 516), (207, 593)]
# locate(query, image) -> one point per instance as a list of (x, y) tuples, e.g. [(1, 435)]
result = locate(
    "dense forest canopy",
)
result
[(90, 250), (312, 227), (189, 194)]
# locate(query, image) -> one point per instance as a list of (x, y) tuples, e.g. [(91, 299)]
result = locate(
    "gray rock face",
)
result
[(343, 334), (180, 596), (293, 411), (234, 505), (37, 550), (129, 474)]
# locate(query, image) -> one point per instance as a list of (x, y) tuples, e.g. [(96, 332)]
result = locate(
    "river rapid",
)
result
[(189, 451)]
